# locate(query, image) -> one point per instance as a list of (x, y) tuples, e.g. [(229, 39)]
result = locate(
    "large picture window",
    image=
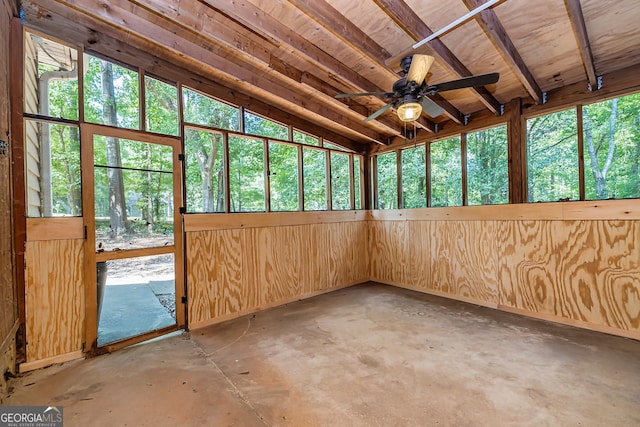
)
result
[(315, 179), (387, 179), (552, 157), (414, 177), (283, 176), (446, 172), (487, 167), (246, 174), (111, 94), (204, 155), (611, 139)]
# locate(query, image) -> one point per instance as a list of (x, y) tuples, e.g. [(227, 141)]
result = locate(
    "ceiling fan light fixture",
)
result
[(409, 110)]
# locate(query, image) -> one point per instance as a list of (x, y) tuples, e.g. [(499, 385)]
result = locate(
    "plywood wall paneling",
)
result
[(214, 262), (600, 273), (389, 244), (528, 265), (464, 260), (348, 253), (54, 298), (316, 241), (420, 244)]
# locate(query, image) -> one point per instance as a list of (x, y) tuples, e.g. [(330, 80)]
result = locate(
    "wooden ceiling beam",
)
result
[(341, 27), (494, 29), (415, 27), (71, 26), (256, 20), (121, 16), (580, 30), (336, 23), (219, 28)]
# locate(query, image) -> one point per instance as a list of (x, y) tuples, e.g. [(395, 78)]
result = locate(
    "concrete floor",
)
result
[(369, 355)]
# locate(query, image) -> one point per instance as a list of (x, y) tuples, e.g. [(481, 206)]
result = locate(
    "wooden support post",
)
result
[(516, 141)]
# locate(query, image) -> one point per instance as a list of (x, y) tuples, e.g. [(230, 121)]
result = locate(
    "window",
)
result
[(133, 188), (111, 94), (246, 174), (52, 168), (414, 177), (446, 172), (357, 182), (50, 78), (304, 138), (340, 183), (204, 176), (487, 167), (611, 132), (387, 179), (315, 179), (552, 157), (283, 176), (203, 110), (161, 107), (333, 146), (256, 125)]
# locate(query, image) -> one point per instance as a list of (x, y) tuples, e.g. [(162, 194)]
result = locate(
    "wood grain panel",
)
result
[(244, 270), (600, 267), (528, 262), (464, 260), (420, 242), (214, 262), (54, 298), (389, 244), (587, 271)]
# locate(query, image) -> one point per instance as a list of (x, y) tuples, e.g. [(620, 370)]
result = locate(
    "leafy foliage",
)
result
[(246, 174), (315, 179), (612, 148), (127, 94), (487, 167), (414, 177), (161, 103), (340, 182), (446, 172), (283, 176), (552, 157), (387, 178), (256, 125)]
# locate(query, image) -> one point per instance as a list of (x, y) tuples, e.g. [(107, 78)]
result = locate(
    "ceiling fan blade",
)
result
[(430, 108), (350, 95), (378, 112), (419, 68), (471, 81)]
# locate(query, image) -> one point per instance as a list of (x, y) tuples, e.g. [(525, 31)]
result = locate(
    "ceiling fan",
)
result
[(410, 94)]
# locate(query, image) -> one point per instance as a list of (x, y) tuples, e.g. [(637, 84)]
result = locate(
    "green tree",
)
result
[(446, 172), (487, 167), (387, 175), (414, 177)]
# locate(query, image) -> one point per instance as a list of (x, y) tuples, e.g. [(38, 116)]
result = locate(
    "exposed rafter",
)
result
[(415, 27), (580, 29), (497, 34), (289, 41), (74, 27), (327, 16), (230, 65)]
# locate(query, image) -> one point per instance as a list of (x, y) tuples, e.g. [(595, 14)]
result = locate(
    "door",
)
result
[(132, 191)]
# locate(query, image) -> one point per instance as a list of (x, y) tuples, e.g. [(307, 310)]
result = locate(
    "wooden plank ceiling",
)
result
[(291, 57)]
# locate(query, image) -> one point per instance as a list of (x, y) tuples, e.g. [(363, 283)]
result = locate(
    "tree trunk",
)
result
[(206, 163), (117, 207), (600, 174)]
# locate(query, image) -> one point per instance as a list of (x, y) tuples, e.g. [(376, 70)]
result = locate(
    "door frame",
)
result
[(87, 133)]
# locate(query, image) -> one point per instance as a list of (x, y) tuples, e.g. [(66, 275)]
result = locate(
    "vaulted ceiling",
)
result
[(290, 58)]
